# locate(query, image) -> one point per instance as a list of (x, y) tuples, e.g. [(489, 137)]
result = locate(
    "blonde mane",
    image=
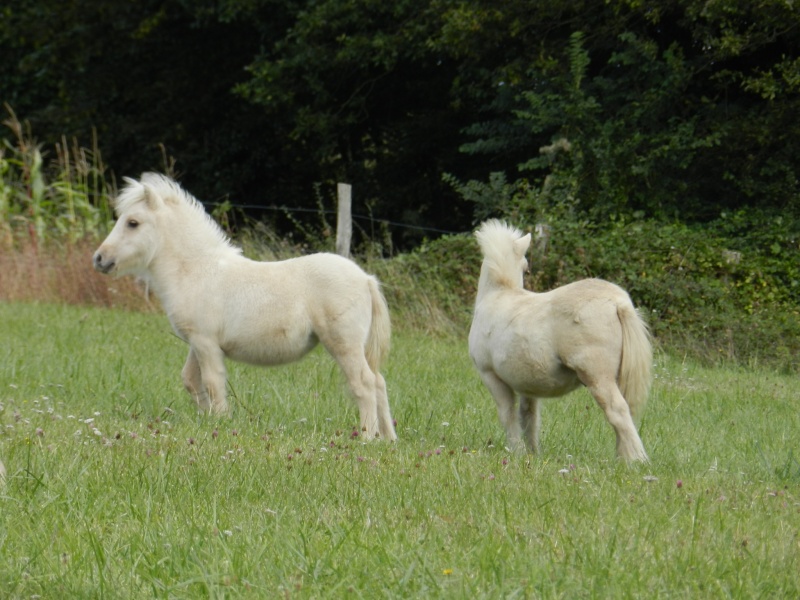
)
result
[(154, 187), (501, 259)]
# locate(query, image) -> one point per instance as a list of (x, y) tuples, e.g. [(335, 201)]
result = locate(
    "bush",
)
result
[(723, 293), (433, 287), (706, 294), (727, 291)]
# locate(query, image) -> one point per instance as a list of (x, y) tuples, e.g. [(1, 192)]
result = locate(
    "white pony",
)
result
[(266, 313), (546, 345)]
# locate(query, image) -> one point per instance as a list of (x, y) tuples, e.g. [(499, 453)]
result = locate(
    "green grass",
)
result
[(117, 489)]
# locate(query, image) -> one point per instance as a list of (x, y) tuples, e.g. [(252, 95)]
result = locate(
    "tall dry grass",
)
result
[(53, 211), (62, 272)]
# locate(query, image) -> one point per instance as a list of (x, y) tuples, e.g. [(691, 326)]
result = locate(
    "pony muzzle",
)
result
[(100, 265)]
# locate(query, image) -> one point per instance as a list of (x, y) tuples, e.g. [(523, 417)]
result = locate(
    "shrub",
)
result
[(729, 290), (702, 297), (726, 292), (433, 287), (65, 198)]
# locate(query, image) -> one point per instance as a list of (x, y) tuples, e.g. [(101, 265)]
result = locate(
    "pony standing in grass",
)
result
[(546, 345), (265, 313)]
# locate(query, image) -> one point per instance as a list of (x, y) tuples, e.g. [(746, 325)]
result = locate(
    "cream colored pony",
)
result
[(545, 345), (265, 313)]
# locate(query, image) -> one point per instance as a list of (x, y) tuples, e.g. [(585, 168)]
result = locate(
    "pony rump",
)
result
[(503, 248)]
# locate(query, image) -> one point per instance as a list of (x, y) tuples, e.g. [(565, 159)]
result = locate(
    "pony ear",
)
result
[(150, 197), (521, 244), (129, 183)]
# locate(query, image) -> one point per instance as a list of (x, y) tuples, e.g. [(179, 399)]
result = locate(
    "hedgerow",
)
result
[(725, 291)]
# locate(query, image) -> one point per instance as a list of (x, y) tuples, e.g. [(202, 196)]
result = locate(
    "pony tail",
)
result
[(637, 359), (380, 330)]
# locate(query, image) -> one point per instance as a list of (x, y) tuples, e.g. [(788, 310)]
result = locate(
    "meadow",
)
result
[(116, 488)]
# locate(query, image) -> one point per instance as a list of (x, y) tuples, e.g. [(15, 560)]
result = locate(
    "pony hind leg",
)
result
[(363, 385), (385, 421), (608, 396), (505, 400), (531, 420)]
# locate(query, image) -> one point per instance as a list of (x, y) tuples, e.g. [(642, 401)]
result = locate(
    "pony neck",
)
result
[(192, 251), (493, 280)]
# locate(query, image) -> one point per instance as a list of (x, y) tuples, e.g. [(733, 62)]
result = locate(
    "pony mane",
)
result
[(171, 194), (497, 241)]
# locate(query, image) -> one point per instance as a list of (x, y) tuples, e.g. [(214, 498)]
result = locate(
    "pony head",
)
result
[(503, 248), (151, 213)]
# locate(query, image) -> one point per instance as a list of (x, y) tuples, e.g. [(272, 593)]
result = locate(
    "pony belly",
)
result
[(549, 390), (268, 351), (537, 382)]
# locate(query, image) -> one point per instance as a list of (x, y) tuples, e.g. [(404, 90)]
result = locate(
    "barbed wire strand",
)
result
[(328, 211)]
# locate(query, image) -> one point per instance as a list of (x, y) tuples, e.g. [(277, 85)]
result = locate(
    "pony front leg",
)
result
[(211, 363), (531, 417), (193, 382), (505, 399)]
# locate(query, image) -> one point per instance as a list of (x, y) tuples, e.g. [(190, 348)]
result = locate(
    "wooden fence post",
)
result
[(542, 237), (344, 219)]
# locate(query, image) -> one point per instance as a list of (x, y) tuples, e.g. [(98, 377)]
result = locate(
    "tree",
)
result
[(362, 98), (681, 110), (153, 78)]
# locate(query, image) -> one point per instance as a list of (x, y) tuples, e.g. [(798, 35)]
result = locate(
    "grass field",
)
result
[(117, 489)]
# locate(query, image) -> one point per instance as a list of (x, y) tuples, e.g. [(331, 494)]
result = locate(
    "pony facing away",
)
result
[(265, 313), (545, 345)]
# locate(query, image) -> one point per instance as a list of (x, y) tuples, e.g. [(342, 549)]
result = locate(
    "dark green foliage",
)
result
[(450, 265), (676, 109), (706, 294), (359, 96), (433, 287), (681, 112), (656, 145), (150, 78), (651, 137)]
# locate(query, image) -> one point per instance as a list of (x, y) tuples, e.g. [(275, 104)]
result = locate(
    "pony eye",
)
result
[(133, 224)]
